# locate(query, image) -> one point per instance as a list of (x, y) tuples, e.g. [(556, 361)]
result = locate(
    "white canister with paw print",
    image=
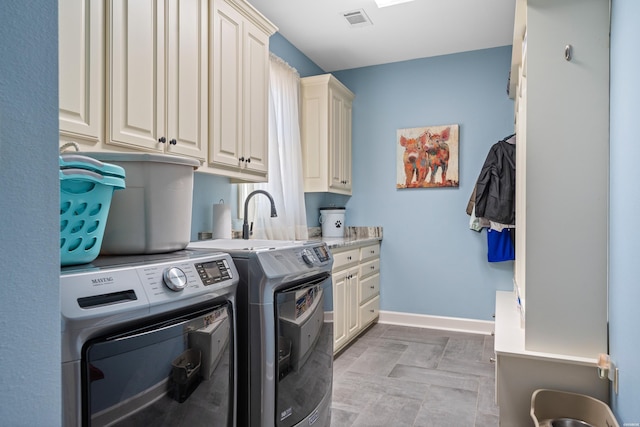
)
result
[(332, 222)]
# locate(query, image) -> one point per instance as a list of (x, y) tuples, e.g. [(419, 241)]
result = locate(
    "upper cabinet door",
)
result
[(187, 77), (256, 98), (336, 150), (347, 144), (225, 125), (326, 134), (136, 79), (81, 70), (238, 90)]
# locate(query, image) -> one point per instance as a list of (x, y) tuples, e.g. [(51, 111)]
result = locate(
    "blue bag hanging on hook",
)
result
[(500, 245)]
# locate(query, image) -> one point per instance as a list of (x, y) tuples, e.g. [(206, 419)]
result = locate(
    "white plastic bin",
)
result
[(153, 214), (332, 221)]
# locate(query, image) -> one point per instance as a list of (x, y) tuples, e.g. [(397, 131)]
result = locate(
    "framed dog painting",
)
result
[(427, 157)]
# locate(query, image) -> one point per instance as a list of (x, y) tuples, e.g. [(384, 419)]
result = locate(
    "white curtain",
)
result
[(285, 180)]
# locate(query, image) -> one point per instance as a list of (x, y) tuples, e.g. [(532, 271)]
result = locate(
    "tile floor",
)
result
[(396, 376)]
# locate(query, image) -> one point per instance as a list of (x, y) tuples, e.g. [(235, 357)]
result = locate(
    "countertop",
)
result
[(344, 242), (353, 236)]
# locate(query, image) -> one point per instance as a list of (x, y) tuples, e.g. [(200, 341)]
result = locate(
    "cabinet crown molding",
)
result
[(252, 14)]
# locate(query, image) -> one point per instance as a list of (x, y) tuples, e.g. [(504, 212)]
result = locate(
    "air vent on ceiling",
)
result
[(357, 18)]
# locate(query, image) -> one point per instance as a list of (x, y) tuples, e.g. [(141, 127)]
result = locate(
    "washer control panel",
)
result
[(214, 271), (97, 290)]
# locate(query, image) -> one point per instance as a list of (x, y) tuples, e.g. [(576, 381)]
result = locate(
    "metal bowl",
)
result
[(569, 422)]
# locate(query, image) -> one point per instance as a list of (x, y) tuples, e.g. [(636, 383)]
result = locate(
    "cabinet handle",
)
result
[(372, 252), (373, 267), (162, 139), (248, 160), (241, 159), (492, 359), (348, 258), (373, 287), (372, 311), (173, 141)]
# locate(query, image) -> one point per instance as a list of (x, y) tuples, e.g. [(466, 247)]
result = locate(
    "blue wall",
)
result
[(29, 295), (431, 262), (624, 292), (29, 200)]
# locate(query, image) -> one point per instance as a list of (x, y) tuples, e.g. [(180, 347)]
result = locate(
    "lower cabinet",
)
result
[(356, 291)]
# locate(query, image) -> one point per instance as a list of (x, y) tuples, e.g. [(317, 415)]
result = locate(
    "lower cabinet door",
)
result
[(369, 311)]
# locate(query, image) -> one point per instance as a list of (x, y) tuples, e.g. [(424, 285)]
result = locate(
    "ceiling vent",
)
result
[(357, 18)]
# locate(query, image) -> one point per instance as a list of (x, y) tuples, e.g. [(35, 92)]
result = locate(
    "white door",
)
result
[(136, 74), (225, 123), (255, 102), (187, 77), (81, 69)]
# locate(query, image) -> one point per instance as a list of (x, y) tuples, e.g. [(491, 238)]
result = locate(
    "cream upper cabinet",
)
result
[(238, 91), (157, 79), (81, 71), (326, 134)]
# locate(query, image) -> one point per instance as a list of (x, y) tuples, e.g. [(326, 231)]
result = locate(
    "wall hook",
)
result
[(567, 52), (607, 370)]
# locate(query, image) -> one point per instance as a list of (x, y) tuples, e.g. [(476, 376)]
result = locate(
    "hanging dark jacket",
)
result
[(496, 186)]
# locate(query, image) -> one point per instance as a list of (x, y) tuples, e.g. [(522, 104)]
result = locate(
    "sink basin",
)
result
[(241, 244), (553, 408)]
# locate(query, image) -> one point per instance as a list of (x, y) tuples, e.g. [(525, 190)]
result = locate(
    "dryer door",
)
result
[(176, 371), (305, 356)]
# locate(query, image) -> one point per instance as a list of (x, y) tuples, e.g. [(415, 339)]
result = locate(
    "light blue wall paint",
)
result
[(29, 198), (431, 262), (281, 47), (624, 292), (207, 190)]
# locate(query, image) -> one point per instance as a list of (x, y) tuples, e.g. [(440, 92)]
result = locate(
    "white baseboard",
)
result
[(457, 324)]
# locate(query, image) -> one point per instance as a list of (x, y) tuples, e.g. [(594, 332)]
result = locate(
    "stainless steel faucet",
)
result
[(245, 224)]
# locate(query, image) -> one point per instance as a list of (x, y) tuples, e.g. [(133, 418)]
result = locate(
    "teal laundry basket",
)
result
[(85, 199)]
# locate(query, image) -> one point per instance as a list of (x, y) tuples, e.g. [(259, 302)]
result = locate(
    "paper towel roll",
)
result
[(221, 221)]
